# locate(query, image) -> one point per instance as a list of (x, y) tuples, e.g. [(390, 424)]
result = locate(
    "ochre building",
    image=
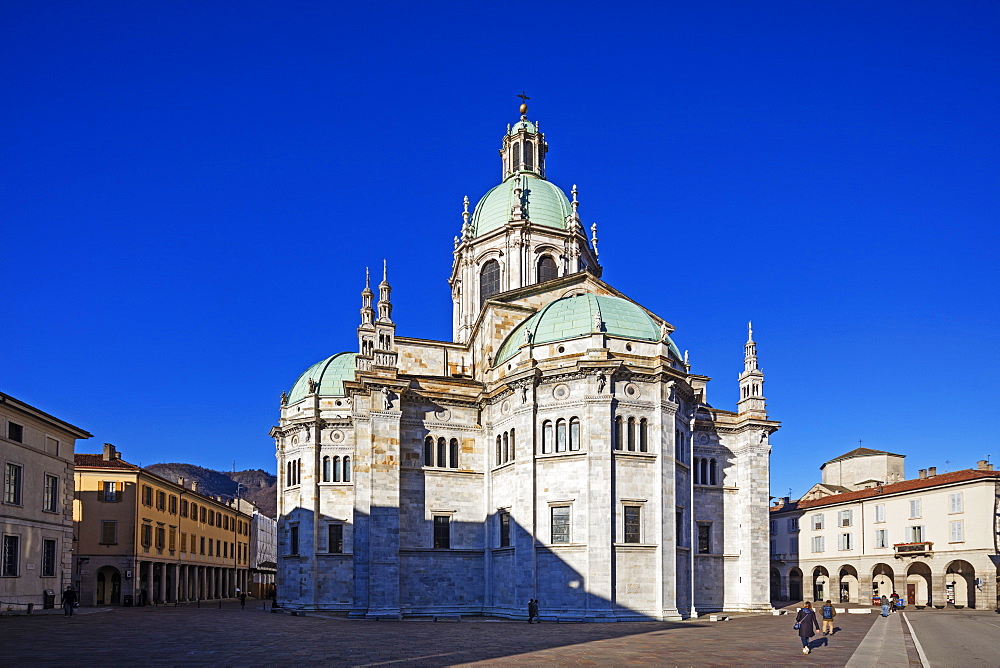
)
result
[(142, 539)]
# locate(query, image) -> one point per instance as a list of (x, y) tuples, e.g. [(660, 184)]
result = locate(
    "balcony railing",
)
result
[(913, 549)]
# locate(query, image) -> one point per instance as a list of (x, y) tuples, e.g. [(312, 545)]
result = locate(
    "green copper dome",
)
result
[(572, 317), (523, 124), (543, 204), (329, 373)]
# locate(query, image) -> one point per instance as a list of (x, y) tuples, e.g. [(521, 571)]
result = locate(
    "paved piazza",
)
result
[(211, 636)]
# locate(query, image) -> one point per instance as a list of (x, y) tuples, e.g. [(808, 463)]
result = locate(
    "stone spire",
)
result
[(751, 380), (366, 332), (524, 146), (385, 328)]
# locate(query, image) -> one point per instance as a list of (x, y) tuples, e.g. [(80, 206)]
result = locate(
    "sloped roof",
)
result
[(861, 452), (98, 462), (895, 488)]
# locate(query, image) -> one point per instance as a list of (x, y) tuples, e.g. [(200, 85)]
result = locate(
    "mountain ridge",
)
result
[(255, 485)]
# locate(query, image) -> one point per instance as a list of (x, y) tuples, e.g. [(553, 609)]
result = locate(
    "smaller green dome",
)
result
[(572, 317), (329, 373), (543, 204), (523, 125)]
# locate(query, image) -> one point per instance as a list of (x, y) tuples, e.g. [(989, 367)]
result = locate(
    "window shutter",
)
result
[(909, 535), (100, 492)]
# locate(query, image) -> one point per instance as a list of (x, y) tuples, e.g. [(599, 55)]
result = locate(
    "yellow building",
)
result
[(142, 539)]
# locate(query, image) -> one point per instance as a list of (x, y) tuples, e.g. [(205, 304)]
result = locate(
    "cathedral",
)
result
[(559, 448)]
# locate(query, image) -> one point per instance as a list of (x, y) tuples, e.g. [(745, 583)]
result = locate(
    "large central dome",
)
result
[(542, 202)]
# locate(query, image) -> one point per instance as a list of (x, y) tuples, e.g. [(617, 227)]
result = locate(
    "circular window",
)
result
[(632, 391), (628, 347), (336, 436), (442, 414), (562, 349), (339, 402), (505, 406), (560, 391), (509, 367)]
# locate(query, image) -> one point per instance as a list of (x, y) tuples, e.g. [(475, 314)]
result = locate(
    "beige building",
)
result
[(866, 531), (143, 539), (36, 519)]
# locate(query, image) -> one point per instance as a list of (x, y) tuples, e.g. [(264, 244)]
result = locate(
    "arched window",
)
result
[(546, 437), (619, 436), (547, 269), (453, 453), (529, 156), (574, 433), (442, 453), (517, 156), (428, 451), (643, 436), (499, 452), (712, 473), (298, 471), (489, 281), (561, 436), (336, 469), (347, 469), (631, 434), (703, 467), (512, 445), (506, 448), (288, 475), (326, 469)]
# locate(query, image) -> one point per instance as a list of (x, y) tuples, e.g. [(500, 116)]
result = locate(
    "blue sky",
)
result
[(190, 193)]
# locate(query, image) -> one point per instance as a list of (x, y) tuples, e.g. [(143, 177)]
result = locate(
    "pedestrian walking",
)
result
[(806, 625), (533, 610), (828, 614), (68, 601), (243, 599), (885, 605), (895, 601)]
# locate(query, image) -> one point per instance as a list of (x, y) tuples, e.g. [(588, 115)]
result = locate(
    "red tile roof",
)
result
[(895, 488), (98, 462)]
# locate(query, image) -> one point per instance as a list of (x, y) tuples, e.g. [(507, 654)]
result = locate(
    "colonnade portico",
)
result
[(937, 582), (171, 582)]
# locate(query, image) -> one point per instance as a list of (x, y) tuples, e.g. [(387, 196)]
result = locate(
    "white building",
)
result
[(263, 554), (559, 448), (865, 531), (36, 508)]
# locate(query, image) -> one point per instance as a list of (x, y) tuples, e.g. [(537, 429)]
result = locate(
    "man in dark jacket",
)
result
[(533, 610), (828, 614), (68, 601)]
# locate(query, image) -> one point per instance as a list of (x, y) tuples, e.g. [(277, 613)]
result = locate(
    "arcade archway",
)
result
[(109, 586), (821, 583), (918, 584), (960, 584)]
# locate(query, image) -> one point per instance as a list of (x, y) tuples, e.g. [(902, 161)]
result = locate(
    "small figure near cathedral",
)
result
[(533, 610), (387, 398), (601, 382), (68, 601)]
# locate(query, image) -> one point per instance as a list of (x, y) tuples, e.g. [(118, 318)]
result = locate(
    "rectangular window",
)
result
[(955, 502), (147, 535), (184, 542), (547, 437), (335, 538), (109, 532), (218, 550), (211, 546), (161, 500), (915, 534), (147, 495), (633, 529), (52, 446), (9, 557), (957, 533), (110, 491), (211, 518), (818, 544), (225, 550), (845, 518), (818, 522), (204, 514), (561, 436), (704, 538), (15, 432), (12, 484), (173, 539), (774, 548), (203, 543), (793, 545), (293, 539), (914, 508), (442, 531), (173, 505), (680, 528), (844, 542), (881, 538), (560, 524), (774, 527), (880, 512), (184, 508), (48, 558), (793, 524), (160, 538), (504, 529), (51, 503)]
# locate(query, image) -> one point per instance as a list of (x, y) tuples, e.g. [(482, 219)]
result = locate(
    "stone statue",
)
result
[(386, 398), (598, 323), (663, 331), (284, 398), (312, 386), (601, 382), (524, 394), (527, 337)]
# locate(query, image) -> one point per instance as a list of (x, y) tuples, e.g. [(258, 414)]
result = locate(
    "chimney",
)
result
[(110, 454), (983, 465), (932, 471), (194, 485), (180, 480), (922, 473)]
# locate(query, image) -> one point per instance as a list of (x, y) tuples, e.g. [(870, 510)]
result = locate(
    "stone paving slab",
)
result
[(209, 636)]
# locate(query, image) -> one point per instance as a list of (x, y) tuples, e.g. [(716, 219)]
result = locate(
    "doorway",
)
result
[(911, 594), (109, 586)]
